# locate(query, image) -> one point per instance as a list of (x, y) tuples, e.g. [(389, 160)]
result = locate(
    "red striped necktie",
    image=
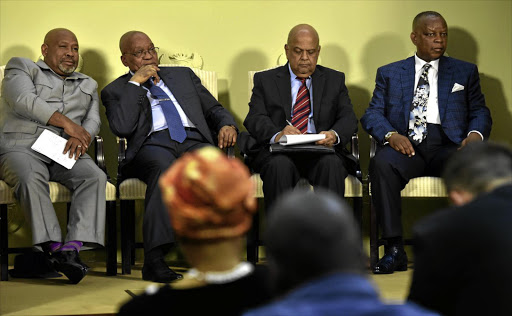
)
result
[(302, 108)]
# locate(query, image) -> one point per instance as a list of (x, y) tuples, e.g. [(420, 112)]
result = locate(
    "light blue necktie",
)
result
[(176, 129)]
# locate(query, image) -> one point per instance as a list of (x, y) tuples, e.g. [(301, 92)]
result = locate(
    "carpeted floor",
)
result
[(99, 294)]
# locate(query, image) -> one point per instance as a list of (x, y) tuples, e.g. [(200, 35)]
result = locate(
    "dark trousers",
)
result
[(391, 170), (155, 156), (280, 173)]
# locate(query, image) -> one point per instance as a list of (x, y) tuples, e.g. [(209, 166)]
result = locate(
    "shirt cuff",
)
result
[(273, 139), (477, 133), (135, 83), (337, 137)]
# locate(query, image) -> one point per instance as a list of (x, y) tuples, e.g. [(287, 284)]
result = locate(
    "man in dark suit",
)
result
[(462, 255), (162, 113), (273, 112), (423, 109)]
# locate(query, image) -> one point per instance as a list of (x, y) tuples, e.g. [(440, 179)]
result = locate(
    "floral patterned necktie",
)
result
[(418, 116)]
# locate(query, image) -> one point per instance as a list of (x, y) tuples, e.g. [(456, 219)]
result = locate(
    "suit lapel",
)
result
[(284, 89), (407, 81), (444, 78), (173, 84), (318, 89)]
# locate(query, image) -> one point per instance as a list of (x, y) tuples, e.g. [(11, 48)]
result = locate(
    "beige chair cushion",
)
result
[(58, 193), (353, 187), (132, 189), (425, 187)]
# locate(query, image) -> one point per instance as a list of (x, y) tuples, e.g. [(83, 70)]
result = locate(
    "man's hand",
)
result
[(227, 136), (71, 128), (329, 140), (288, 130), (78, 132), (472, 137), (401, 144), (75, 147), (145, 72)]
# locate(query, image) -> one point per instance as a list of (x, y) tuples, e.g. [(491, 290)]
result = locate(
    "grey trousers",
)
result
[(29, 177)]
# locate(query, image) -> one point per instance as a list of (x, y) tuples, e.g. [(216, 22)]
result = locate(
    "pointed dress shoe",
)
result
[(157, 270), (395, 259), (69, 263)]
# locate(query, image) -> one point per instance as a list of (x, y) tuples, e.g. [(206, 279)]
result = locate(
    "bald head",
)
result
[(60, 51), (303, 29), (302, 50), (128, 38), (310, 234), (133, 42)]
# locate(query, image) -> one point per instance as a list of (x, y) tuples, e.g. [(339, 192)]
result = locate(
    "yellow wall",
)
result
[(235, 37)]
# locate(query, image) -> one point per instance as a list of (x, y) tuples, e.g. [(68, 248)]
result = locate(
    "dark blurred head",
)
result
[(477, 168), (309, 235)]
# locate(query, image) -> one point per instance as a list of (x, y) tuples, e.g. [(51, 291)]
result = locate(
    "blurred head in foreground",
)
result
[(309, 235), (210, 202)]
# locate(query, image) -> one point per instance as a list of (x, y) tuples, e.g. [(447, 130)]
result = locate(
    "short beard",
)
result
[(67, 70)]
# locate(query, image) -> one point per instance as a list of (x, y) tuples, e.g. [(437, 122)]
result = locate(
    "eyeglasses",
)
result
[(141, 53)]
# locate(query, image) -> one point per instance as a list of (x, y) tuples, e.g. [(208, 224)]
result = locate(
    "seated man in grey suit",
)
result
[(163, 112), (297, 98), (50, 95), (463, 254)]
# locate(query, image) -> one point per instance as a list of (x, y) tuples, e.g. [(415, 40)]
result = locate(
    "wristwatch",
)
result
[(389, 134)]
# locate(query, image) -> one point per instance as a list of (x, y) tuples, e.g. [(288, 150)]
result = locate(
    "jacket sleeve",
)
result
[(345, 124), (479, 115), (124, 103), (258, 121), (19, 90), (374, 121)]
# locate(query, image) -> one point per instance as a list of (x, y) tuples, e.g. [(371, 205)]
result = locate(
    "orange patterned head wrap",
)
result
[(208, 195)]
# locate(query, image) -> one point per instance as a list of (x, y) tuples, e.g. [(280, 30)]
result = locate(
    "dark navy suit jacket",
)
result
[(129, 111), (461, 111), (271, 105)]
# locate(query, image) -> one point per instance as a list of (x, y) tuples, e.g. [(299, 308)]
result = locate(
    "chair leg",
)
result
[(358, 215), (253, 239), (111, 243), (4, 252), (127, 215), (374, 236)]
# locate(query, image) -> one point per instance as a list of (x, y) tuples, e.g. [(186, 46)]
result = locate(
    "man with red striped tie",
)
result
[(297, 98)]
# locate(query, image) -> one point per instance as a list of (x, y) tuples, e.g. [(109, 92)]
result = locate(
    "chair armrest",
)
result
[(99, 153), (121, 141), (355, 146), (355, 152), (230, 152), (373, 146)]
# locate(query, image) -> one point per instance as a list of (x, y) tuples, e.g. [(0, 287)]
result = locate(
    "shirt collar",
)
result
[(419, 63), (74, 75)]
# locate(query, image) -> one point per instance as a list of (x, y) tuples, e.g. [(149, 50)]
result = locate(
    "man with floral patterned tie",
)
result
[(423, 109)]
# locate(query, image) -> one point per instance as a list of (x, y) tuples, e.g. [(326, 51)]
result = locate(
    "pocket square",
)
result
[(457, 87)]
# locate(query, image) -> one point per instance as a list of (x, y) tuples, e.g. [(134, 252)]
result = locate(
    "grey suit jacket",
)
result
[(32, 92)]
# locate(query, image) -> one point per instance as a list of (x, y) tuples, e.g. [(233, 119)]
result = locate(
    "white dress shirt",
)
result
[(159, 122)]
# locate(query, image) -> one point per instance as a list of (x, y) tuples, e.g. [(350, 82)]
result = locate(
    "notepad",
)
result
[(286, 140), (52, 146)]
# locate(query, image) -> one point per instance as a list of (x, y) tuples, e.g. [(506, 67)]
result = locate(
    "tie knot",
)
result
[(148, 84), (426, 67), (302, 80)]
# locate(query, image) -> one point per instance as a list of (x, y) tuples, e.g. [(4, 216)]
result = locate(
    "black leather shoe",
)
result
[(69, 263), (157, 270), (395, 259)]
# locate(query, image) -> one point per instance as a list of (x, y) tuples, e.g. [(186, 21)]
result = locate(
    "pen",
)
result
[(289, 123)]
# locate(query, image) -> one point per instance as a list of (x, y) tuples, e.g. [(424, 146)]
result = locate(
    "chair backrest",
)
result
[(2, 70), (251, 79), (208, 78)]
